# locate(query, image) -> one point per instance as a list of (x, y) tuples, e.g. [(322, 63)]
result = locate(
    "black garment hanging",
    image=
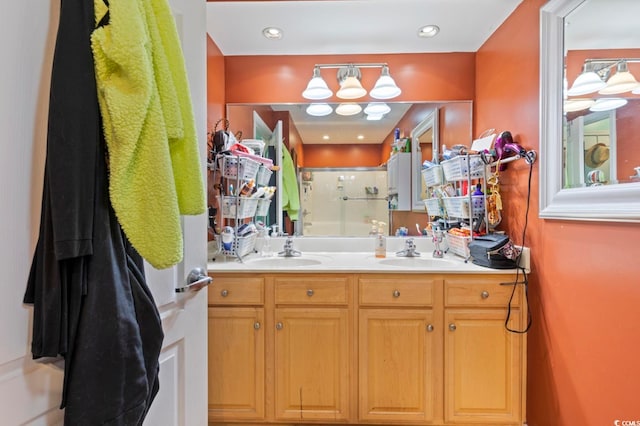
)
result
[(91, 304)]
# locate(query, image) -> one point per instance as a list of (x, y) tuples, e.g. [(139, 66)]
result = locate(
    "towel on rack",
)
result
[(148, 121), (290, 195)]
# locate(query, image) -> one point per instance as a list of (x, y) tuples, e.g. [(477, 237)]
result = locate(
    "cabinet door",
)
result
[(397, 360), (482, 366), (236, 363), (312, 369)]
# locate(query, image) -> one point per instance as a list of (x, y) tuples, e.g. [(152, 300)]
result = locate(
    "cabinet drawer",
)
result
[(236, 291), (312, 291), (397, 291), (479, 292)]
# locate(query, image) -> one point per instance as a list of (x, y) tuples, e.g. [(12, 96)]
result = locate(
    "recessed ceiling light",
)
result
[(360, 137), (272, 33), (325, 137), (428, 31)]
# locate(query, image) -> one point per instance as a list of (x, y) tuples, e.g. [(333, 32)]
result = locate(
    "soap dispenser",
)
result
[(381, 242)]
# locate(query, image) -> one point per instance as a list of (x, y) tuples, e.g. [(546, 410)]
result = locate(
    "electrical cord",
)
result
[(525, 279)]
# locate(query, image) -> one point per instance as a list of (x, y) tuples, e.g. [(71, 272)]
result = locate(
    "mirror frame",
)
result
[(431, 121), (611, 203)]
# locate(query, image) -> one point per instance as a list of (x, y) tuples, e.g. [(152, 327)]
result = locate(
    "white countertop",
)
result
[(318, 256)]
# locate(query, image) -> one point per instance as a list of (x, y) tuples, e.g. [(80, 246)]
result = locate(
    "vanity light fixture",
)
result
[(377, 108), (385, 87), (595, 77), (577, 104), (272, 33), (349, 76), (348, 108), (374, 117), (317, 88), (319, 109), (587, 82), (607, 104), (622, 81), (350, 87)]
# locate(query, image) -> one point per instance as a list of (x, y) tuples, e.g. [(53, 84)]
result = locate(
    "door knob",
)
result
[(196, 280)]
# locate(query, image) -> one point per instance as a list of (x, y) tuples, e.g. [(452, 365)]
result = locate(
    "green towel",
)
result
[(155, 169), (290, 195)]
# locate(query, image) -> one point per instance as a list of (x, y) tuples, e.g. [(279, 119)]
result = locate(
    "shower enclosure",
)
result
[(342, 201)]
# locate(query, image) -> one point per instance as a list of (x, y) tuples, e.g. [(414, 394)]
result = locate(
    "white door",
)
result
[(30, 392)]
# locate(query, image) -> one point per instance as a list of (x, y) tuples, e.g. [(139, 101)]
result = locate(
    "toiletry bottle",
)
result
[(478, 190), (381, 242), (374, 228)]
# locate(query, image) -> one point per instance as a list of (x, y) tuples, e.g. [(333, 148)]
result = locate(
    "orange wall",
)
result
[(215, 84), (583, 347), (281, 79), (342, 155)]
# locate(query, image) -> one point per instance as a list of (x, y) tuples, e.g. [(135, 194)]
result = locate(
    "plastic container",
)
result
[(433, 176), (457, 168), (435, 207), (238, 207), (459, 206), (263, 207), (458, 245), (242, 246), (239, 168), (263, 175)]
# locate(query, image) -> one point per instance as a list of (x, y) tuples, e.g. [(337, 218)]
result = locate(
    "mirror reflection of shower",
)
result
[(342, 201)]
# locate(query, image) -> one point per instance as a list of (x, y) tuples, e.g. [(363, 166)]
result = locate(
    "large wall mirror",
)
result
[(342, 177), (589, 126)]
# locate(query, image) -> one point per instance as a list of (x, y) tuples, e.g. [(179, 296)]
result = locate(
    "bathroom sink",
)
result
[(284, 262), (417, 262)]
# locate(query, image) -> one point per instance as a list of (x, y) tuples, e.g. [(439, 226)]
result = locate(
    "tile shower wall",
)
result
[(342, 202)]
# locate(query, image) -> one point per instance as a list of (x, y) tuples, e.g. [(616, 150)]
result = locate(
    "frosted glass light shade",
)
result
[(622, 81), (317, 88), (377, 108), (374, 117), (319, 109), (607, 104), (348, 108), (587, 82), (385, 87), (351, 89), (572, 105)]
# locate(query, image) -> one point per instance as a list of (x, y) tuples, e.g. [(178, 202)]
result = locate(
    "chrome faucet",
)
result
[(409, 249), (437, 239), (288, 250)]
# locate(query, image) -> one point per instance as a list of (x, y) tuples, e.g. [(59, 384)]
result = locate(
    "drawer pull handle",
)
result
[(224, 293), (256, 325), (396, 293), (430, 327), (485, 294), (310, 292), (279, 326), (452, 327)]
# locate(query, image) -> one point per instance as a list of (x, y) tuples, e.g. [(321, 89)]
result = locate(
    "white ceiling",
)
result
[(352, 27)]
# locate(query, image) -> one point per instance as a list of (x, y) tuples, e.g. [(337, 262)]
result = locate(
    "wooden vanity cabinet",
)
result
[(236, 348), (400, 351), (312, 353), (420, 349), (484, 364)]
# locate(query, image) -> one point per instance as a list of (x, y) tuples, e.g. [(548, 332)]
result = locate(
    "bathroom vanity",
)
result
[(342, 337)]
